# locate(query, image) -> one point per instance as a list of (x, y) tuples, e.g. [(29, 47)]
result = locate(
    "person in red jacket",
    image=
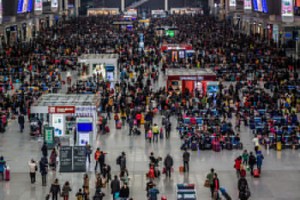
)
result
[(237, 165), (138, 118), (216, 186)]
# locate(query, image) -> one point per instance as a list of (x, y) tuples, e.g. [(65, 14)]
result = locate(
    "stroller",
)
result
[(224, 193)]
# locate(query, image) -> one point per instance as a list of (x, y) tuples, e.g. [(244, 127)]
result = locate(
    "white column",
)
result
[(166, 5), (76, 7), (60, 8), (122, 5)]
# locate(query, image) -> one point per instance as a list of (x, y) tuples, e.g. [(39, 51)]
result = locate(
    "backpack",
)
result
[(243, 186), (118, 160)]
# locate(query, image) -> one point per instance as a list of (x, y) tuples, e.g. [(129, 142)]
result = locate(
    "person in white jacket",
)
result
[(32, 170)]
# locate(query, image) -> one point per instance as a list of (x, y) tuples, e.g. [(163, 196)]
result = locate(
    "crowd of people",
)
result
[(244, 61)]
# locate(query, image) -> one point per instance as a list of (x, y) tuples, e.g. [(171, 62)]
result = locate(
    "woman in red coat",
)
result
[(151, 173), (237, 165)]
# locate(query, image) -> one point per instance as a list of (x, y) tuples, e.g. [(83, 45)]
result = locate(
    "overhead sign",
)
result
[(61, 109), (191, 78), (84, 120)]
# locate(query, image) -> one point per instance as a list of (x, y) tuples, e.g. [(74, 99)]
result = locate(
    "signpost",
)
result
[(66, 159), (79, 159), (49, 136)]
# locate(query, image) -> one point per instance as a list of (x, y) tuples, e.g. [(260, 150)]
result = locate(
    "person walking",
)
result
[(210, 178), (115, 187), (21, 121), (32, 170), (66, 190), (101, 161), (44, 170), (251, 162), (124, 192), (96, 157), (53, 159), (153, 192), (55, 190), (186, 160), (88, 152), (245, 157), (259, 161), (86, 186), (121, 160), (98, 195), (216, 187), (44, 150), (168, 162), (244, 192), (155, 131), (237, 166), (2, 166)]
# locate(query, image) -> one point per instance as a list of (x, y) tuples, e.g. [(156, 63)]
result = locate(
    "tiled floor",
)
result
[(280, 176)]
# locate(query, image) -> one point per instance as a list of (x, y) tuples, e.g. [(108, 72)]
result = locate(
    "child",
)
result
[(79, 195), (245, 157)]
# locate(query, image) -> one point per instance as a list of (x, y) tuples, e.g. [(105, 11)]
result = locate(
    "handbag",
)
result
[(206, 183)]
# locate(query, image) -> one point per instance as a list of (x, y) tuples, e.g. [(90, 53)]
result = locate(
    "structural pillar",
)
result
[(122, 5), (166, 5)]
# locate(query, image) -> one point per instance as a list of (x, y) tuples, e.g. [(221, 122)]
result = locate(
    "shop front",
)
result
[(192, 81), (72, 117), (103, 66), (102, 11), (177, 52)]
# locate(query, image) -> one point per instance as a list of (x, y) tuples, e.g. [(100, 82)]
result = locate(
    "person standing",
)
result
[(88, 151), (153, 192), (244, 192), (98, 195), (245, 157), (168, 162), (115, 187), (155, 130), (66, 190), (210, 178), (55, 190), (21, 121), (186, 160), (124, 192), (251, 162), (237, 166), (32, 170), (44, 170), (96, 157), (168, 129)]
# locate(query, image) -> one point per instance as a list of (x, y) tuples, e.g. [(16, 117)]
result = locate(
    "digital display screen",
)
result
[(38, 5), (170, 33), (24, 6), (84, 127), (287, 8)]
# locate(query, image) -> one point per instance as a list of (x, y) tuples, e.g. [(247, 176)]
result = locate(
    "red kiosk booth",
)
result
[(192, 79)]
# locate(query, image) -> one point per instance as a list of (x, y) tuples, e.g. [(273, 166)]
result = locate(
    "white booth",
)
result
[(73, 117), (103, 65)]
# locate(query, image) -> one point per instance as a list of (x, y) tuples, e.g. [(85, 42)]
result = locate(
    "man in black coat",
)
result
[(101, 160), (168, 165), (115, 187), (21, 121)]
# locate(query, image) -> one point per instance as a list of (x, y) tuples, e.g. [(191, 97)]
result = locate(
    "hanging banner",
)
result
[(247, 5), (49, 136)]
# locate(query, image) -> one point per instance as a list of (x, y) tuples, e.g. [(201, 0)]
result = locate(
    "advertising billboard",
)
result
[(247, 5), (287, 8), (54, 3), (232, 3), (260, 6), (38, 5), (24, 6)]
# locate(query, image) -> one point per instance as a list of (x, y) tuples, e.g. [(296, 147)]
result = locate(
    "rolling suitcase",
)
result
[(194, 146), (107, 130), (256, 173), (119, 125), (7, 174), (217, 147), (229, 146)]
